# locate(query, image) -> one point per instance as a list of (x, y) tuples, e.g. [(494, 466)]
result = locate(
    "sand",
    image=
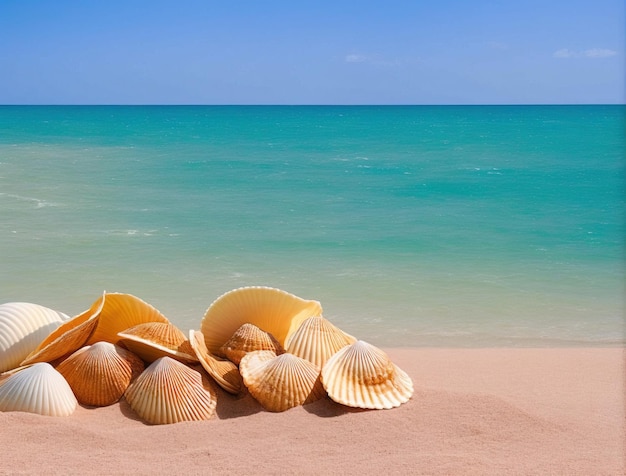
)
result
[(474, 411)]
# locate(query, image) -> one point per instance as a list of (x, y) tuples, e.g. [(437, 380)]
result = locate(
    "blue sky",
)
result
[(311, 52)]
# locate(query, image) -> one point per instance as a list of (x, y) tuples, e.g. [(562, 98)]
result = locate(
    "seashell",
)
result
[(100, 374), (23, 326), (68, 337), (273, 310), (316, 340), (153, 340), (280, 382), (37, 388), (224, 372), (361, 375), (249, 338), (120, 312), (170, 392)]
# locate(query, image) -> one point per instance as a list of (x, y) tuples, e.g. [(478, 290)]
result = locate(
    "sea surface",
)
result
[(412, 225)]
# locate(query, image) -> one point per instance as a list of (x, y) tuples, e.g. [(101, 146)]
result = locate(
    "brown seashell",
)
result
[(120, 312), (361, 375), (273, 310), (280, 382), (69, 336), (100, 374), (316, 340), (225, 373), (153, 340), (249, 338), (170, 392)]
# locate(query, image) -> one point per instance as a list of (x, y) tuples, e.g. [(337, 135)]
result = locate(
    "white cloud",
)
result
[(353, 58), (592, 53)]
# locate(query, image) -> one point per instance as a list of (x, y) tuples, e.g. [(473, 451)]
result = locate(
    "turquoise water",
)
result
[(413, 226)]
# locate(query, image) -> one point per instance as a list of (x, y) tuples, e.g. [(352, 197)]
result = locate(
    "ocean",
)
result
[(451, 226)]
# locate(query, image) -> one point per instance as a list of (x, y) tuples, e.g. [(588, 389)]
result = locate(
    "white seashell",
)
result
[(38, 388), (361, 375), (272, 310), (23, 326)]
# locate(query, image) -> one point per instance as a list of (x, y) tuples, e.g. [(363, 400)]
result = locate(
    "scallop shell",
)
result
[(316, 340), (361, 375), (23, 326), (170, 392), (68, 337), (100, 374), (249, 338), (280, 382), (224, 372), (120, 312), (153, 340), (273, 310), (37, 388)]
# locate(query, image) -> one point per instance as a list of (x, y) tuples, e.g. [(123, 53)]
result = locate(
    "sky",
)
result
[(312, 52)]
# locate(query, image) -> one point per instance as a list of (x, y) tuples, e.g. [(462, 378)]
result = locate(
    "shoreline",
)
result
[(474, 411)]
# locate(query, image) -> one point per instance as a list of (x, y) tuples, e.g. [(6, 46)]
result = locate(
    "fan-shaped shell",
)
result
[(249, 338), (68, 337), (316, 340), (225, 373), (120, 312), (153, 340), (100, 374), (273, 310), (280, 382), (23, 326), (170, 392), (38, 388), (362, 375)]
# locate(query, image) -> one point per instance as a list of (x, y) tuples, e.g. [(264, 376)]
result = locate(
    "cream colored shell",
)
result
[(23, 326), (362, 375), (316, 340), (153, 340), (280, 382), (38, 388), (273, 310), (223, 371), (100, 374), (170, 392), (249, 338)]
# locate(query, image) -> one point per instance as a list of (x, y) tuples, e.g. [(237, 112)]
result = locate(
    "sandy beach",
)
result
[(474, 411)]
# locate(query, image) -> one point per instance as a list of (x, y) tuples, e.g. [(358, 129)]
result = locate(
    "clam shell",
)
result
[(170, 392), (224, 372), (316, 340), (23, 326), (120, 312), (361, 375), (100, 374), (153, 340), (280, 382), (68, 337), (249, 338), (273, 310), (37, 388)]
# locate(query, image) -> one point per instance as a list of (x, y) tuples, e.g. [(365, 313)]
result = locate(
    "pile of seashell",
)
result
[(267, 341)]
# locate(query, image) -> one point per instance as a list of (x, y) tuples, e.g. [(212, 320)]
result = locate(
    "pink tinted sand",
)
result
[(474, 411)]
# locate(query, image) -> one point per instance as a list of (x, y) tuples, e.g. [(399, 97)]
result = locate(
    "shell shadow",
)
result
[(327, 408), (236, 406), (128, 412)]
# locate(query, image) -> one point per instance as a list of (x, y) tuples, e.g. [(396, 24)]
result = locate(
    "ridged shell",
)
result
[(153, 340), (68, 337), (273, 310), (23, 326), (316, 340), (249, 338), (120, 312), (170, 392), (38, 388), (225, 373), (362, 375), (280, 382), (100, 374)]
